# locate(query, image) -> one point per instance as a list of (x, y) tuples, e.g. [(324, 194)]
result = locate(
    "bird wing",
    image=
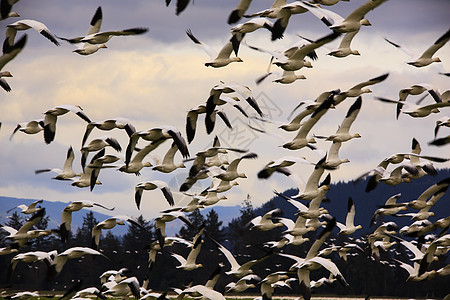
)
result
[(211, 52), (96, 22), (437, 45)]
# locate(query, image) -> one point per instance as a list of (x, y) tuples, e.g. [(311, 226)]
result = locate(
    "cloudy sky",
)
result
[(155, 78)]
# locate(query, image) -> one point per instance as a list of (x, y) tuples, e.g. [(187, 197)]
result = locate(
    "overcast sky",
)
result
[(155, 78)]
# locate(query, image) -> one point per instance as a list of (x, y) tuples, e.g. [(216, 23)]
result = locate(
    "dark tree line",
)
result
[(364, 275)]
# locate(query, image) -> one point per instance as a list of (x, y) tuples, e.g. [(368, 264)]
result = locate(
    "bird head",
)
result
[(365, 22)]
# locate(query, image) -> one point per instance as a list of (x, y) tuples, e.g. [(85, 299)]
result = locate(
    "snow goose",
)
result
[(30, 209), (204, 291), (359, 89), (342, 134), (285, 77), (126, 287), (344, 49), (442, 122), (333, 161), (421, 201), (220, 59), (109, 224), (32, 127), (97, 145), (136, 164), (109, 124), (237, 13), (91, 172), (190, 263), (298, 228), (293, 58), (11, 30), (212, 198), (157, 135), (417, 111), (284, 14), (52, 114), (103, 37), (231, 172), (9, 52), (352, 22), (427, 57), (87, 48), (66, 215), (252, 25), (309, 108), (168, 165), (67, 171), (390, 207), (271, 12), (312, 262), (242, 284), (349, 226), (265, 222), (30, 257), (312, 184), (21, 236), (152, 185), (161, 220), (301, 140), (220, 186), (415, 89), (5, 9), (238, 270), (241, 90), (280, 165)]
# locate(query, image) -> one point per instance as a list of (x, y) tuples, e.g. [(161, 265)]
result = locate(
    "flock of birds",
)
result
[(430, 241)]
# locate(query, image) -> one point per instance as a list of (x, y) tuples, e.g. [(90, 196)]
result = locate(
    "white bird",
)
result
[(427, 57), (11, 30), (190, 263), (30, 257), (252, 25), (109, 124), (352, 22), (421, 201), (302, 140), (390, 207), (31, 127), (168, 165), (157, 135), (271, 12), (285, 77), (103, 37), (97, 145), (66, 173), (298, 228), (417, 111), (344, 48), (238, 11), (280, 165), (10, 51), (161, 220), (265, 223), (342, 134), (415, 89), (52, 114), (109, 224), (91, 172), (30, 209), (238, 270), (152, 185), (231, 172), (442, 122), (87, 48), (359, 89), (5, 9), (20, 237), (242, 285), (136, 164), (124, 288), (333, 161), (313, 186), (66, 215), (220, 59), (349, 226)]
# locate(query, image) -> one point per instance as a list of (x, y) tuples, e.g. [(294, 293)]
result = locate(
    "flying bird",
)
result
[(427, 57), (11, 30), (10, 51), (220, 59)]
